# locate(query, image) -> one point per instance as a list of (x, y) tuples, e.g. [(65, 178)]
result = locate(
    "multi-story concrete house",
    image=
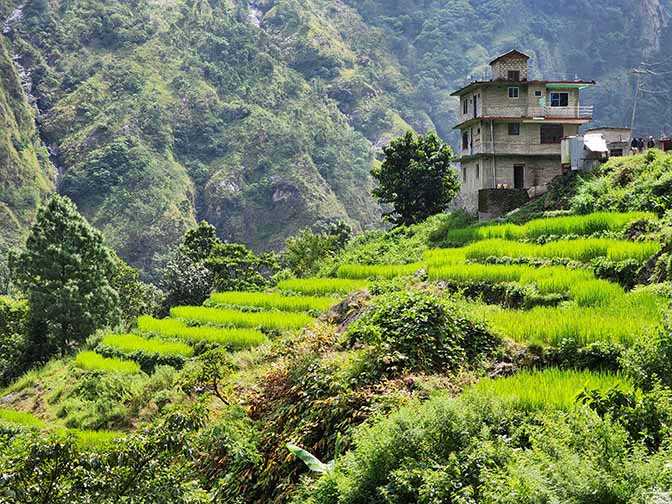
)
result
[(511, 129)]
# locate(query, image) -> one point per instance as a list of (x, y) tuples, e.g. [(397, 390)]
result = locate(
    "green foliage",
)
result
[(234, 318), (148, 352), (14, 318), (637, 183), (235, 267), (272, 300), (208, 372), (649, 360), (135, 297), (416, 178), (198, 242), (185, 281), (485, 449), (322, 286), (232, 338), (304, 252), (579, 225), (151, 466), (66, 274), (91, 361), (361, 271), (428, 334), (20, 418)]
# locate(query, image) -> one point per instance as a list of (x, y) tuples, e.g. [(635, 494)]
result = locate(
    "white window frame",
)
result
[(517, 92), (559, 93)]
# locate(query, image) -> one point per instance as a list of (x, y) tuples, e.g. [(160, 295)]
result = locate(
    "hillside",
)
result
[(264, 117), (524, 361)]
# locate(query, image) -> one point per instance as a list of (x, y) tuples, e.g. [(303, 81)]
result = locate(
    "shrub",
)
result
[(649, 361), (234, 318), (92, 361), (272, 300), (231, 338), (431, 334), (622, 272), (14, 318)]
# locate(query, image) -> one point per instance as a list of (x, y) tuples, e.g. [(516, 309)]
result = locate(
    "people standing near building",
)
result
[(651, 143), (640, 145), (633, 145)]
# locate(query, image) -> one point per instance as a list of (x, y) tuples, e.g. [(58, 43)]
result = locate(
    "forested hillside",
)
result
[(265, 117)]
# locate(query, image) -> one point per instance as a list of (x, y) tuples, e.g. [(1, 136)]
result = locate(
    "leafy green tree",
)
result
[(135, 297), (305, 251), (416, 178), (185, 281), (235, 267), (198, 242), (13, 330), (65, 272)]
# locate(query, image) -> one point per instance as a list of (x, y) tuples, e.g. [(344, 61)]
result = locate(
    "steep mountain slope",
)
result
[(26, 174), (264, 117)]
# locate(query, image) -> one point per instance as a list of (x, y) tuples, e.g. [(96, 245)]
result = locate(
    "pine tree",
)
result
[(65, 272)]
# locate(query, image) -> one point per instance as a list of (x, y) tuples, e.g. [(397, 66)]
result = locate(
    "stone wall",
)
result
[(494, 203)]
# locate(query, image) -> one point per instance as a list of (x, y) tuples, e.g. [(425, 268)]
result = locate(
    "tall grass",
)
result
[(20, 418), (92, 361), (322, 286), (623, 320), (555, 279), (580, 250), (551, 389), (232, 338), (234, 318), (383, 271), (129, 343), (581, 225), (272, 300)]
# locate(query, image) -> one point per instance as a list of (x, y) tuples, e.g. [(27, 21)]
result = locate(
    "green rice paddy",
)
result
[(272, 301), (233, 318), (92, 361), (130, 343), (322, 286), (385, 271), (234, 338)]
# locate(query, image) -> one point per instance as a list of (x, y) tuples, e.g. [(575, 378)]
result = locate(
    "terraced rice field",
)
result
[(130, 343), (233, 338), (91, 361), (234, 318), (322, 286), (549, 389), (272, 301)]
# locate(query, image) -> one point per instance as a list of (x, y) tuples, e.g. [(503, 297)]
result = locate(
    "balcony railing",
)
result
[(572, 112), (512, 148)]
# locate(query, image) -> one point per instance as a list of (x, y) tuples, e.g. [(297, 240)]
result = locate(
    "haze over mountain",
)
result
[(265, 117)]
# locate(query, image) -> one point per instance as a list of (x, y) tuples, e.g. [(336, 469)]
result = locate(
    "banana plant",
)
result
[(313, 463)]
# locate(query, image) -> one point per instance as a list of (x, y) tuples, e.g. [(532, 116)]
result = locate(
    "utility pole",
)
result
[(638, 73)]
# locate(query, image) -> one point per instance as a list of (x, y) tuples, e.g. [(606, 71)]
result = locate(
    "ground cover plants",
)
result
[(271, 300), (234, 338), (233, 318)]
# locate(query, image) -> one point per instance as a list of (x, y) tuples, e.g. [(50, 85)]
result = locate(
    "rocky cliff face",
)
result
[(263, 117)]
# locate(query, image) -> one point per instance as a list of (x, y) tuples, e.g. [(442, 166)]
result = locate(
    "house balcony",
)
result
[(511, 149), (572, 112)]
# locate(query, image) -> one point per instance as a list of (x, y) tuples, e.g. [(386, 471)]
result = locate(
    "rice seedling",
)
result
[(272, 300), (550, 389), (595, 292), (234, 318), (234, 338), (20, 418), (624, 320), (378, 271), (322, 286), (440, 257), (580, 225), (88, 439), (580, 250), (91, 361), (130, 343)]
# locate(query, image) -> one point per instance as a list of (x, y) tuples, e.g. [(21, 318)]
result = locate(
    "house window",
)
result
[(514, 75), (559, 99), (465, 140), (465, 107), (478, 170), (464, 173), (514, 92), (537, 94), (514, 129), (551, 133)]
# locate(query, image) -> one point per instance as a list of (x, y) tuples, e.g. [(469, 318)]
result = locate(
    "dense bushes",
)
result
[(486, 450), (13, 343), (431, 334)]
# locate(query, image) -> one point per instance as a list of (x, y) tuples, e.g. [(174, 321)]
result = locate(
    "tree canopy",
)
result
[(415, 178)]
